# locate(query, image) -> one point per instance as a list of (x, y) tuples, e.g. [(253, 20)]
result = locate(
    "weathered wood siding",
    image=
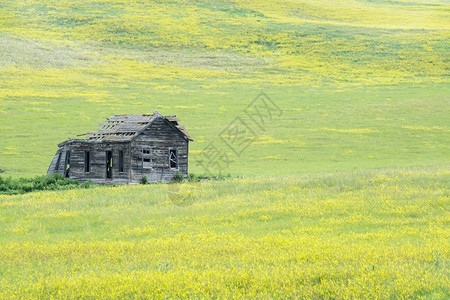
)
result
[(58, 163), (54, 166), (97, 162), (159, 137), (97, 170)]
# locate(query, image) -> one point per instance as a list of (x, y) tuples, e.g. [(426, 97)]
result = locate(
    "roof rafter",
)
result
[(126, 127)]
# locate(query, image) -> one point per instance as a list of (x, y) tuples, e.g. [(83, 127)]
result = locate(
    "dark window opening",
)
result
[(87, 161), (109, 163), (120, 161), (147, 158), (174, 123), (67, 165), (173, 159)]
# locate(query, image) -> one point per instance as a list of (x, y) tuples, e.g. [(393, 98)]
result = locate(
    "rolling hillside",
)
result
[(362, 84), (341, 193)]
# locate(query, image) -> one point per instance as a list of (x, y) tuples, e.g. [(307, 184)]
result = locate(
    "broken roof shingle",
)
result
[(126, 127)]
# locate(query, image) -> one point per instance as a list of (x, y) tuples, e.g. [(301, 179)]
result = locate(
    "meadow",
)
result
[(375, 235), (343, 195), (356, 92)]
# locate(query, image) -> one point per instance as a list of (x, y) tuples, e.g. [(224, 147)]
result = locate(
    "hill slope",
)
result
[(362, 84)]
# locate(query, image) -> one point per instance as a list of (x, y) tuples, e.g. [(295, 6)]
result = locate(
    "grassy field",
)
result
[(343, 194), (343, 235), (362, 84)]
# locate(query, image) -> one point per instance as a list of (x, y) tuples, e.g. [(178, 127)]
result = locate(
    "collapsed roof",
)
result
[(125, 127)]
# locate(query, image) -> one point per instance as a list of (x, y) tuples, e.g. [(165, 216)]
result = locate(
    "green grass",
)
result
[(364, 87), (320, 130), (344, 195), (15, 186), (347, 235)]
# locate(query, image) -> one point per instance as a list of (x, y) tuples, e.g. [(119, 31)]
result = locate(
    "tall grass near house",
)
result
[(351, 235)]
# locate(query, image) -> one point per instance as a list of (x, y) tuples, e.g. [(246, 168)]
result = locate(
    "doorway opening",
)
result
[(108, 164)]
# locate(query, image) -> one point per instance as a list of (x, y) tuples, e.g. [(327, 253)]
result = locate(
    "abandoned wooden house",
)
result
[(125, 149)]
